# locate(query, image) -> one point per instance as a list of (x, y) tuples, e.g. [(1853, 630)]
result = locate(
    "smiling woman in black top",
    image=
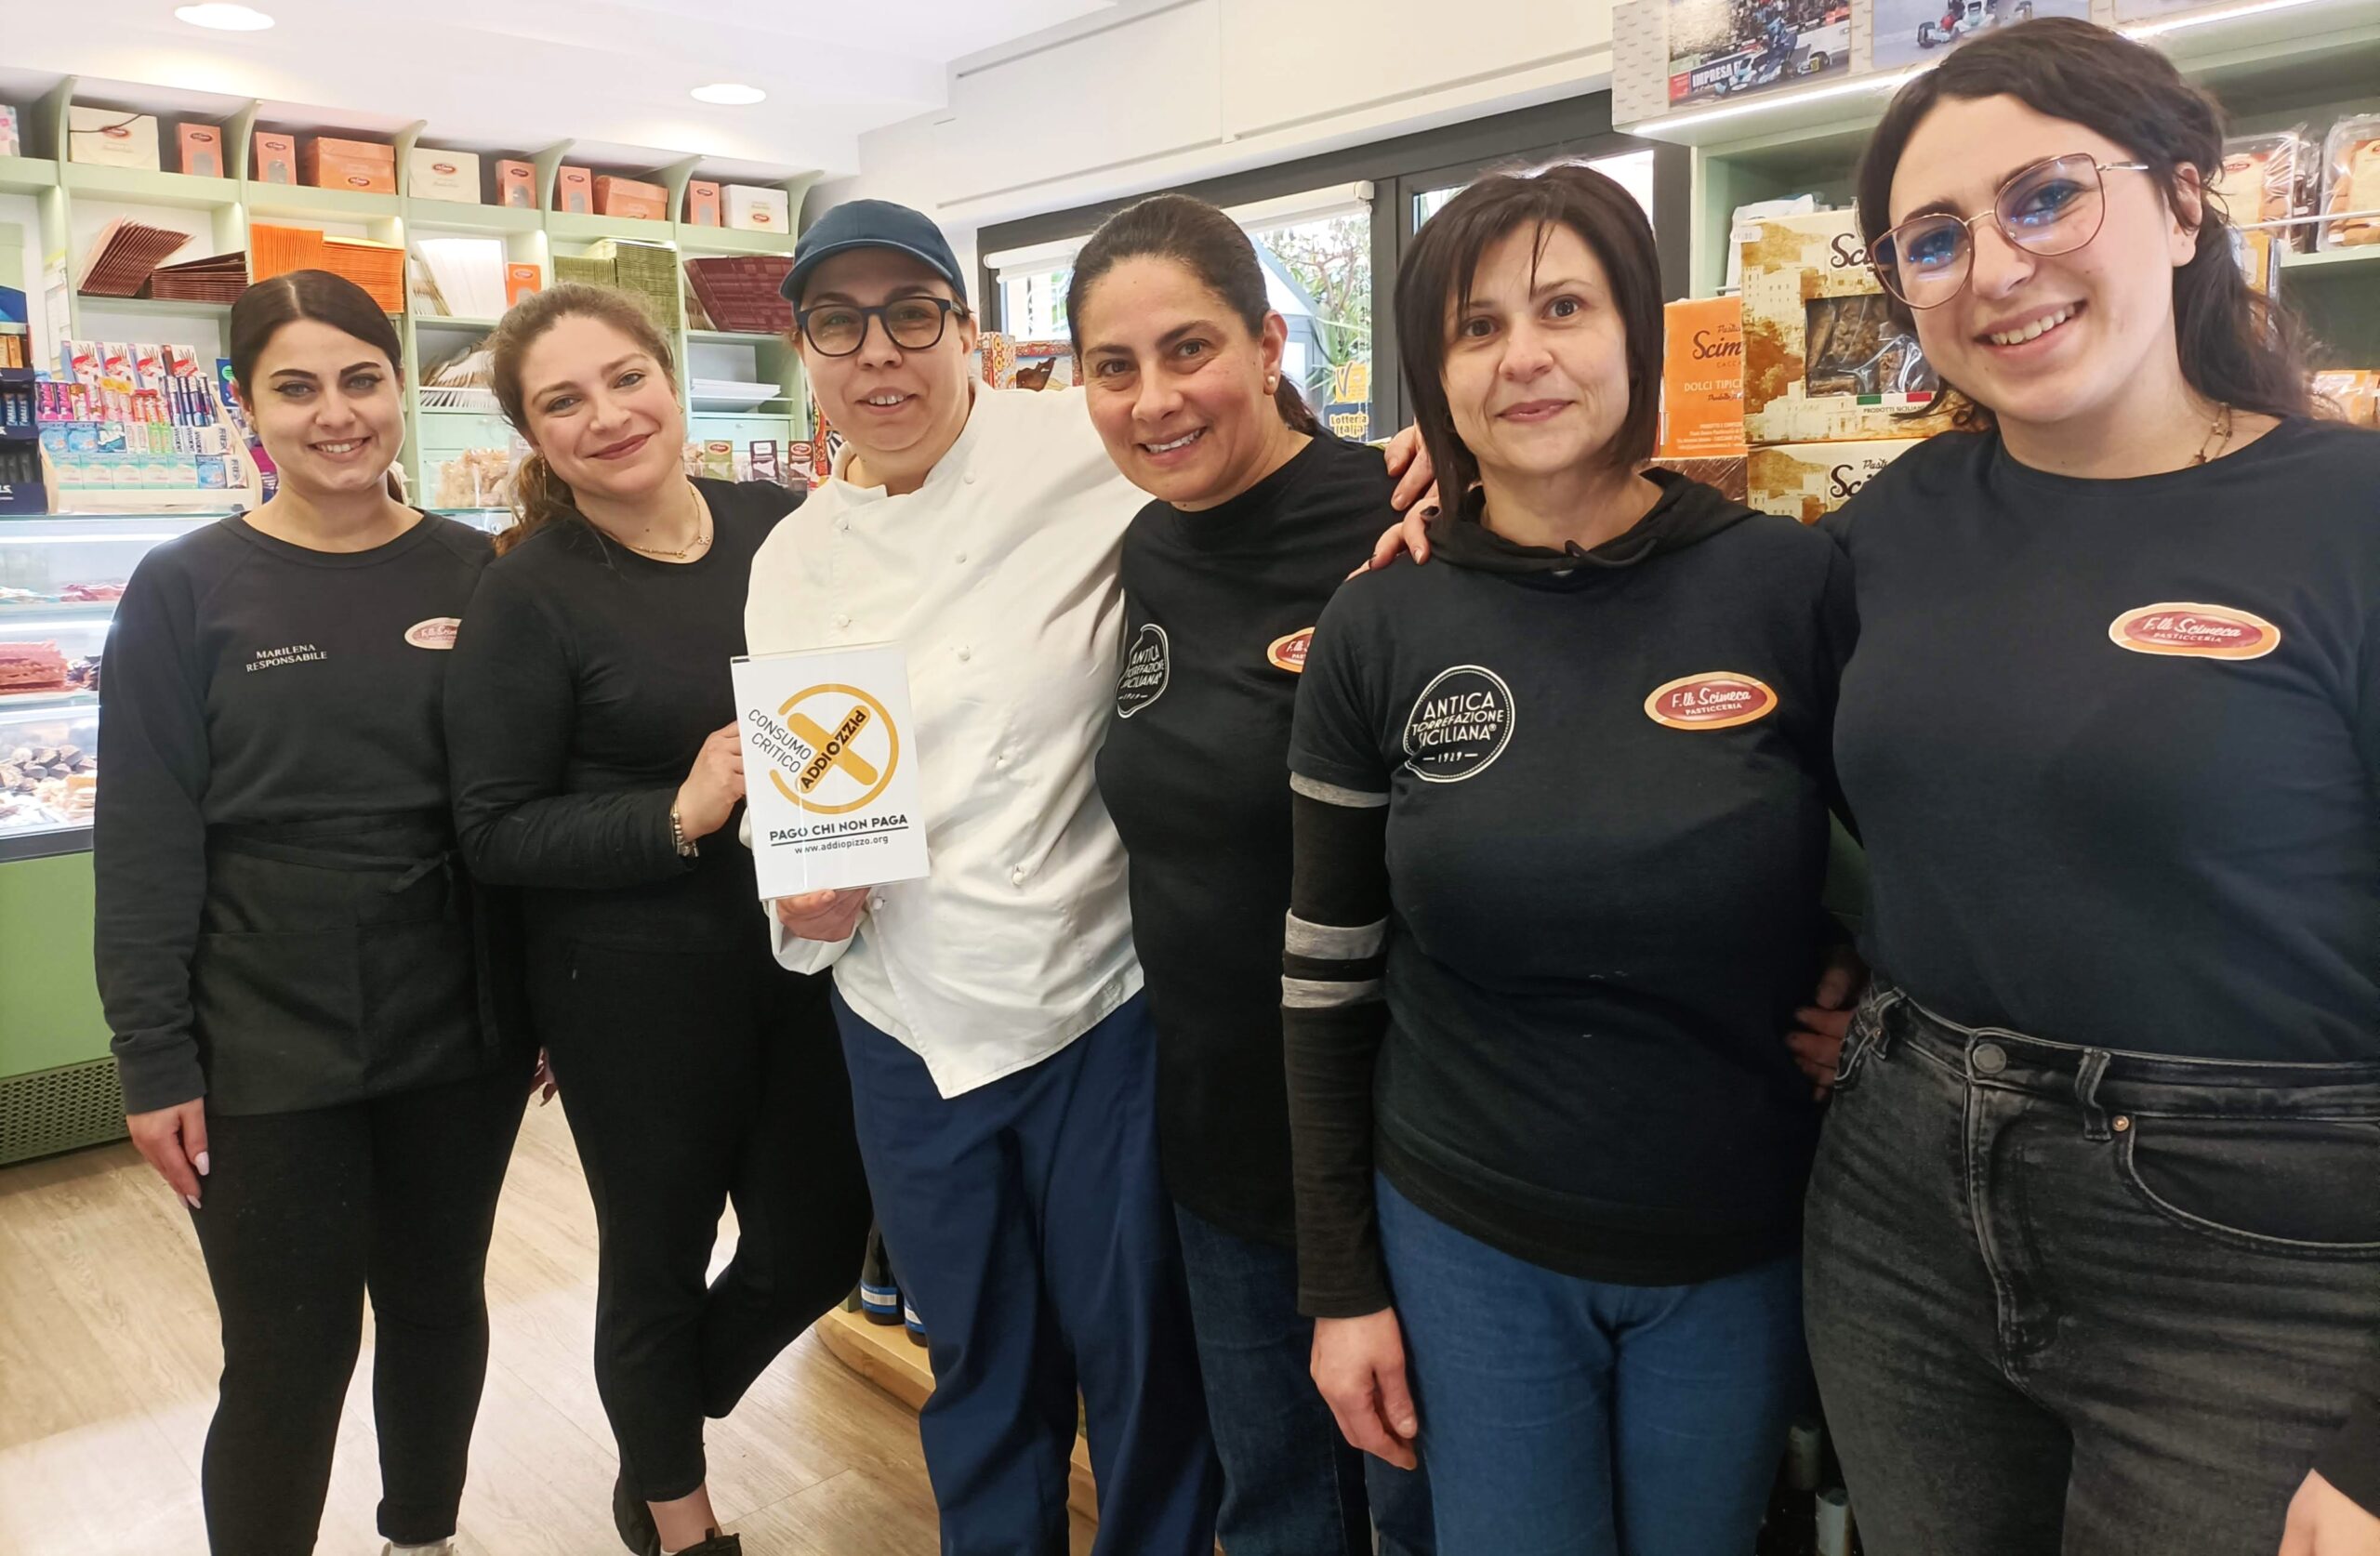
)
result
[(1561, 825), (285, 951), (1257, 515), (2095, 1237), (596, 765)]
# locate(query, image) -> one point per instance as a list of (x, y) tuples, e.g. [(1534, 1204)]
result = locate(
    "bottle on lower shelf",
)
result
[(1790, 1527)]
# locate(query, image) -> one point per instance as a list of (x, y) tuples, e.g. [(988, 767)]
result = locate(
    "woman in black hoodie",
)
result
[(1561, 831)]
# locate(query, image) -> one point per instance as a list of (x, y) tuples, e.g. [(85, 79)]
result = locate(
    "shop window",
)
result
[(1631, 170)]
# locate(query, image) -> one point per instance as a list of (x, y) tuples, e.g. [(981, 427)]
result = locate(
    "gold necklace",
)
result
[(2218, 437), (701, 537)]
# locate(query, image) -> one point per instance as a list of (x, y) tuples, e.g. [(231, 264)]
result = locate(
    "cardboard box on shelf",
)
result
[(111, 138), (630, 197), (365, 166), (1823, 359), (702, 203), (516, 185), (275, 158), (198, 151), (11, 144), (574, 190), (752, 209), (449, 176), (1810, 481), (1702, 379)]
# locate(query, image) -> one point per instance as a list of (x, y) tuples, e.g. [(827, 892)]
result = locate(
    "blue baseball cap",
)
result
[(872, 224)]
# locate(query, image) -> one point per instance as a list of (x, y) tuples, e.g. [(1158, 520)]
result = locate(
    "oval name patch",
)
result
[(438, 632), (1288, 653), (2194, 631), (1713, 700)]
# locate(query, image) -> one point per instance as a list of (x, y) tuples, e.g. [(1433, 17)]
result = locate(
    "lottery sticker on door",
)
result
[(830, 771)]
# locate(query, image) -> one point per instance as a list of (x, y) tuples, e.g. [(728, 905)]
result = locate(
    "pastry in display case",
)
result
[(59, 580)]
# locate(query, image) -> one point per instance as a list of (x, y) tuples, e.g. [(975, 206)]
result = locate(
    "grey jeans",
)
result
[(2069, 1300)]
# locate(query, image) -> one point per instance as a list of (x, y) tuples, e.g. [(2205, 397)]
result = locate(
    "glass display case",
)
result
[(59, 580)]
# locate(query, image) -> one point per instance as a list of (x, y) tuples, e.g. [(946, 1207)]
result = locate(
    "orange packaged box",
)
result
[(702, 203), (1702, 379), (630, 197), (574, 190), (520, 280), (200, 149), (276, 158), (365, 166), (516, 185)]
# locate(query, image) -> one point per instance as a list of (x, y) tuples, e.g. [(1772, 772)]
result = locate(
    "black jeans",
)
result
[(693, 1078), (2068, 1300), (302, 1215)]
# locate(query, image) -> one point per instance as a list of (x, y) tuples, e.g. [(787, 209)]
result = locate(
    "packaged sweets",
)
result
[(1824, 360), (2351, 395), (2268, 177), (2351, 182)]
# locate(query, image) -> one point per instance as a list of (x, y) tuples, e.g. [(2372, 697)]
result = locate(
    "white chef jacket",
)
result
[(999, 578)]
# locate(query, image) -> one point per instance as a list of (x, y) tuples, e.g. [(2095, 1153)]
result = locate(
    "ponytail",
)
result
[(539, 498), (1294, 410)]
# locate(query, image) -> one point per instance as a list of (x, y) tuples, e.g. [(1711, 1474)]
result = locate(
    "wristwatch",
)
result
[(687, 846)]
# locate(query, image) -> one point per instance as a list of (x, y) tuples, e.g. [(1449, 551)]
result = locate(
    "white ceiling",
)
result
[(516, 75)]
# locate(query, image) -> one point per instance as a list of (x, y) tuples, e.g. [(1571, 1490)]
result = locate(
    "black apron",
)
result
[(340, 960)]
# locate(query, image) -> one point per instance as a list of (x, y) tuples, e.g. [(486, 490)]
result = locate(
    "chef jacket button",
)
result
[(965, 653), (960, 559), (1016, 876), (876, 902), (844, 525), (843, 621), (1000, 761), (971, 477)]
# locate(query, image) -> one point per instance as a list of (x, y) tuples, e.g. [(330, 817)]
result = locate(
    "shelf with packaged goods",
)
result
[(2271, 65), (572, 227), (302, 202), (16, 704), (2365, 259), (729, 241), (138, 186), (462, 217)]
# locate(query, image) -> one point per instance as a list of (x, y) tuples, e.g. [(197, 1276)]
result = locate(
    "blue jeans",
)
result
[(2072, 1300), (1571, 1418), (1293, 1485), (1030, 1229)]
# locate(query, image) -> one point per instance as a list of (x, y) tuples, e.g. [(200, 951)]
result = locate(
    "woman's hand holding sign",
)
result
[(707, 796), (822, 916)]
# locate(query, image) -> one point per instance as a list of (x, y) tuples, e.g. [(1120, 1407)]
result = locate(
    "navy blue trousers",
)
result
[(1035, 1239)]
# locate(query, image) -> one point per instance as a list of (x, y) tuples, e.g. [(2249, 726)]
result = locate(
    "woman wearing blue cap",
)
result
[(1002, 1062)]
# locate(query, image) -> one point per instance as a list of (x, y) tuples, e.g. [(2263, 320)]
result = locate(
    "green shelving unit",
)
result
[(56, 1086)]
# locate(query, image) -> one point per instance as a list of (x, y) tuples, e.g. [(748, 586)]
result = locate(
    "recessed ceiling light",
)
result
[(227, 19), (730, 94)]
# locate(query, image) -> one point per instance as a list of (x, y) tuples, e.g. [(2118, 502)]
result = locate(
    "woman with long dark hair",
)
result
[(591, 721), (289, 957), (2094, 1247), (1255, 516)]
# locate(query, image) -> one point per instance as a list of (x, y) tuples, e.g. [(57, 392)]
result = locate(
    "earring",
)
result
[(1271, 383)]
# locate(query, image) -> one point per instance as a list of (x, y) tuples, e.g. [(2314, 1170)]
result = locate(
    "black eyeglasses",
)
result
[(912, 323), (2050, 208)]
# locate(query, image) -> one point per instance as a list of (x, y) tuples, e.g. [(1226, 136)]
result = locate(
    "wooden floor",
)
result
[(109, 1355)]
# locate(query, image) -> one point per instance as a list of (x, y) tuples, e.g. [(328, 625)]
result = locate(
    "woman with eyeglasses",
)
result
[(2093, 1239), (592, 729)]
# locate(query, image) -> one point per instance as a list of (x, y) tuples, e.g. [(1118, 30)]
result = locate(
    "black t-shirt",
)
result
[(2112, 744), (1219, 605), (585, 678), (1600, 787), (252, 682)]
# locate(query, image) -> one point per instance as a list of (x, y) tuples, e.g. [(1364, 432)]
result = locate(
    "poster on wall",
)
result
[(1724, 48), (1911, 31)]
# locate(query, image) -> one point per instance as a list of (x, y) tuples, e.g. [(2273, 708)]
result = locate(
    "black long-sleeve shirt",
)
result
[(1219, 605), (585, 678), (253, 682), (1560, 835), (2114, 747)]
